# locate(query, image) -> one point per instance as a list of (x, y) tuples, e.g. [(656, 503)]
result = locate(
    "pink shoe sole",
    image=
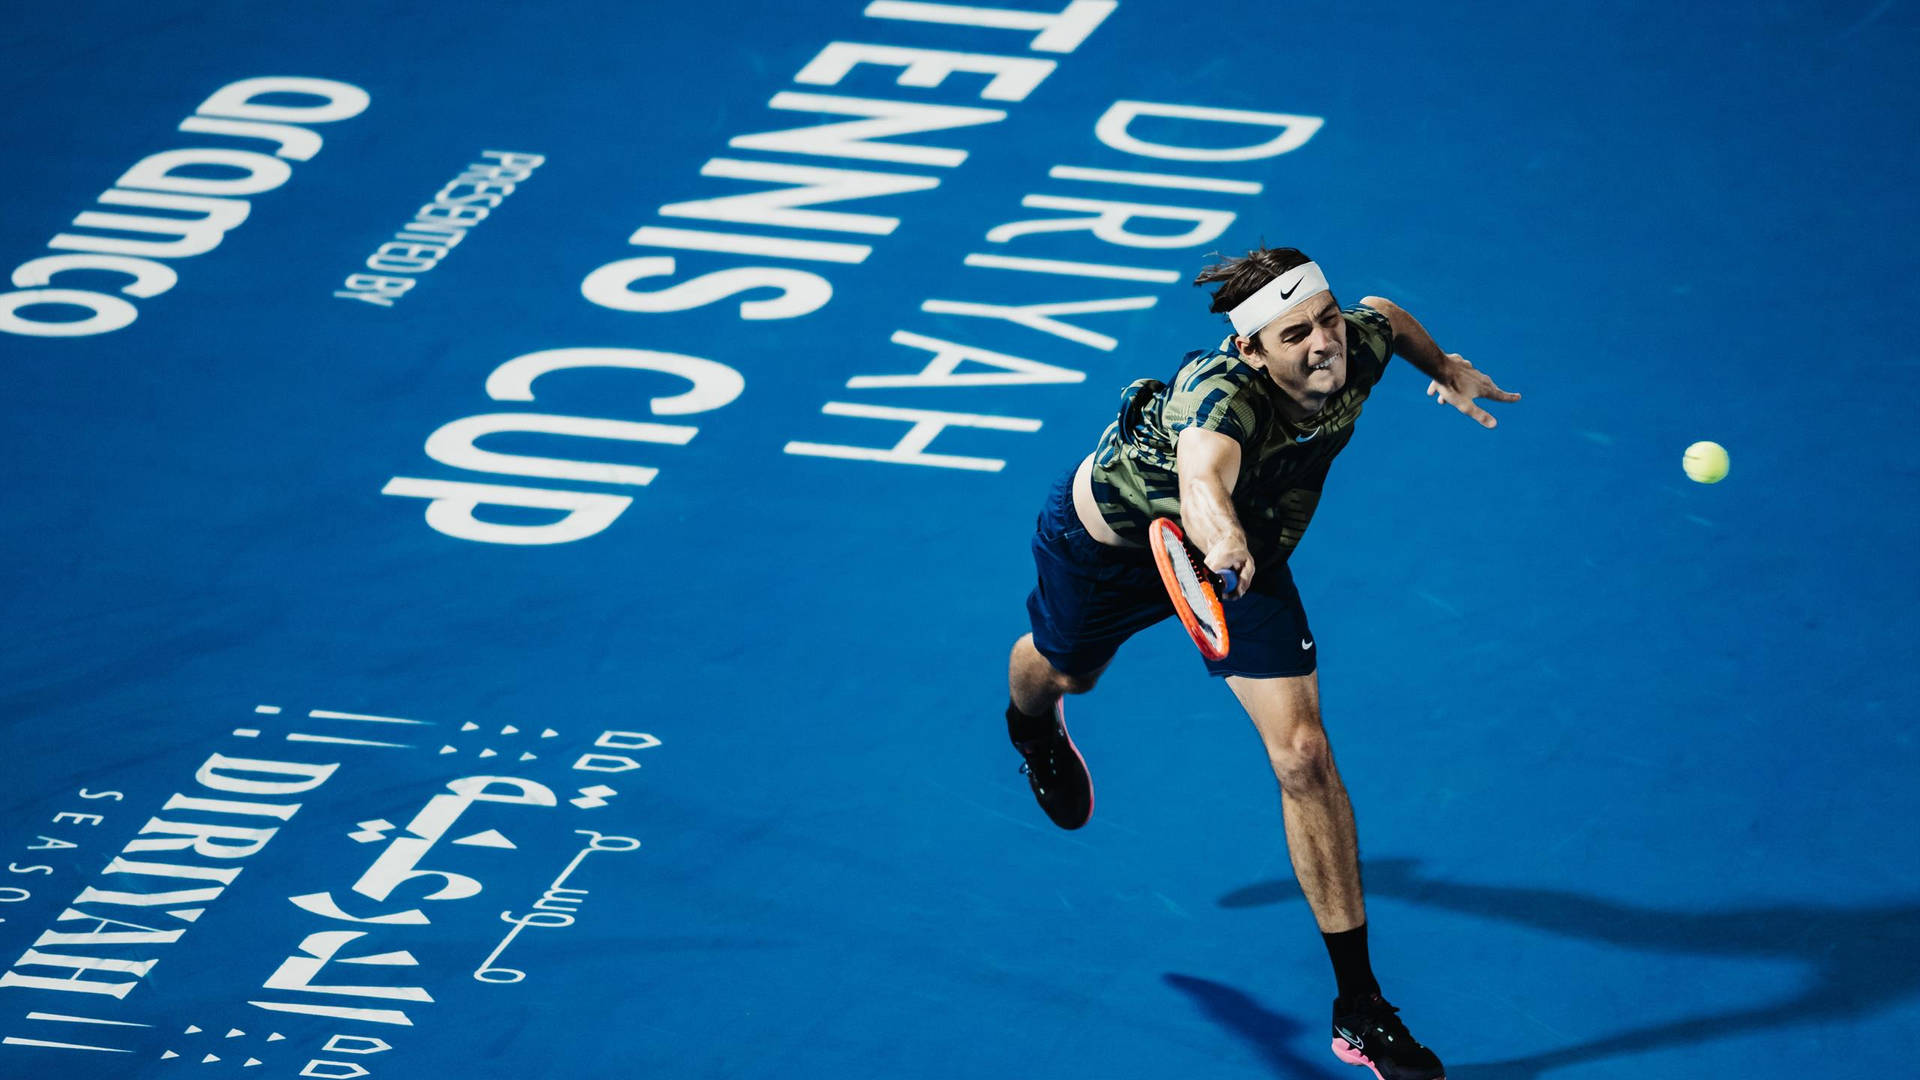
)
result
[(1344, 1050), (1060, 713)]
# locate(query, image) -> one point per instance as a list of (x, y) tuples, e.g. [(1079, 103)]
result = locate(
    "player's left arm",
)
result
[(1455, 381)]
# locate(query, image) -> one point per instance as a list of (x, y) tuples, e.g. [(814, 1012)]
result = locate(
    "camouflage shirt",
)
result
[(1282, 466)]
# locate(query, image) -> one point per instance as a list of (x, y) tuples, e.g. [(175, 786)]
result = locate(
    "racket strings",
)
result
[(1199, 598)]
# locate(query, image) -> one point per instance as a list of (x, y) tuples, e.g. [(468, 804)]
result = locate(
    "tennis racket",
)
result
[(1194, 589)]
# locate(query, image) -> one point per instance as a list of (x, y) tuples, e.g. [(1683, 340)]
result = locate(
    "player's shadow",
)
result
[(1858, 960), (1270, 1034)]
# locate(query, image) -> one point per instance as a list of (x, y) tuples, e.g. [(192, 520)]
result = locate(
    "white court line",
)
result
[(301, 736), (82, 1019), (15, 1040), (324, 714), (1071, 269), (1159, 180)]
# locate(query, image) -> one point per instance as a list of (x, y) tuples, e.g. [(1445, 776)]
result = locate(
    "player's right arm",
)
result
[(1209, 465)]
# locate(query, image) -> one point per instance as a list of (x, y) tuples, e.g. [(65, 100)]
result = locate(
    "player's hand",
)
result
[(1230, 553), (1463, 383)]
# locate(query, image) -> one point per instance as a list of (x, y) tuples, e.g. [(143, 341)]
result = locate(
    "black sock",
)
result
[(1024, 728), (1352, 971)]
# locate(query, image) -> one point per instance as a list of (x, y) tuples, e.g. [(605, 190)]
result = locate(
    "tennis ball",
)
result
[(1706, 462)]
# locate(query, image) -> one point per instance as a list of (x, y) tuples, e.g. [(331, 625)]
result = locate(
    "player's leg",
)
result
[(1035, 685), (1272, 669), (1087, 599), (1321, 838), (1037, 727), (1324, 846)]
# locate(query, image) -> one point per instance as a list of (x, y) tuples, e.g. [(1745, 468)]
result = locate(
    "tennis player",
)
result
[(1235, 447)]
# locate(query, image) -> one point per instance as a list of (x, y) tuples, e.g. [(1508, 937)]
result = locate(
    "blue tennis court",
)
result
[(517, 515)]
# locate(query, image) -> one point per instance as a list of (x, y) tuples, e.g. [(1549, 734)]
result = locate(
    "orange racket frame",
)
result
[(1163, 556)]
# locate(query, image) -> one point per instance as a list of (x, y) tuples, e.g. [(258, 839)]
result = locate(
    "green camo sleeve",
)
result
[(1369, 345), (1213, 396)]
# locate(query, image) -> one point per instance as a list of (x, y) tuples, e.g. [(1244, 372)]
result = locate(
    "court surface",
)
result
[(578, 650)]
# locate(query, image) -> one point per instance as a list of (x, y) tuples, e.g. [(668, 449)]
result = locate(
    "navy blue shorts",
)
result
[(1091, 597)]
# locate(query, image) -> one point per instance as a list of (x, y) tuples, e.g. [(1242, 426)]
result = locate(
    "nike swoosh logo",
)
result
[(1352, 1038), (1305, 644), (1296, 285)]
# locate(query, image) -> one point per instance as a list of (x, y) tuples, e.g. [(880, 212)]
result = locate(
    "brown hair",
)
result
[(1242, 277)]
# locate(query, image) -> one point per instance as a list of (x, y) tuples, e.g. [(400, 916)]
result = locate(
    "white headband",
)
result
[(1276, 297)]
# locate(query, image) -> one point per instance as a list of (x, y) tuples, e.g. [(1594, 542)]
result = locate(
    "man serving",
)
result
[(1236, 447)]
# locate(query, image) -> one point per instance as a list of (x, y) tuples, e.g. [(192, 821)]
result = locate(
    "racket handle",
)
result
[(1230, 581)]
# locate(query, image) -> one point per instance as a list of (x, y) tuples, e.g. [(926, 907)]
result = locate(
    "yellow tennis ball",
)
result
[(1706, 462)]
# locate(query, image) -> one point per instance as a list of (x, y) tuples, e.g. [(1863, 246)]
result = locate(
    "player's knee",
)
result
[(1302, 759), (1074, 684)]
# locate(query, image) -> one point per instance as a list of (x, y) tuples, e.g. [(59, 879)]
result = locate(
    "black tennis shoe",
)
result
[(1054, 767), (1369, 1033)]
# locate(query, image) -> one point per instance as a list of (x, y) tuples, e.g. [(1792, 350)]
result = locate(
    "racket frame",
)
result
[(1163, 556)]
